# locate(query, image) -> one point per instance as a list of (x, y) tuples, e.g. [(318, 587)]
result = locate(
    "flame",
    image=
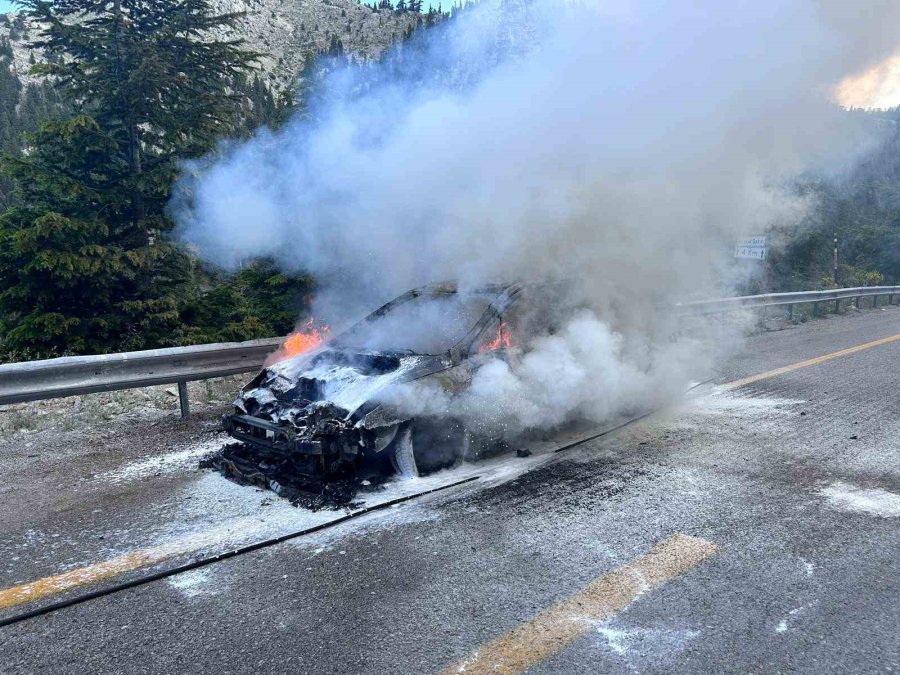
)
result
[(502, 341), (307, 338)]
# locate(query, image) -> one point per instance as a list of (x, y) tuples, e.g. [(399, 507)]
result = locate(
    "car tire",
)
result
[(424, 446), (402, 455)]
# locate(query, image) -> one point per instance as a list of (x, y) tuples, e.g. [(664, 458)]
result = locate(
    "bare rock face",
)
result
[(287, 31), (290, 30), (18, 30)]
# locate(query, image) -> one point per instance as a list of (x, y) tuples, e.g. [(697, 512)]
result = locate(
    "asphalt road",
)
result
[(790, 487)]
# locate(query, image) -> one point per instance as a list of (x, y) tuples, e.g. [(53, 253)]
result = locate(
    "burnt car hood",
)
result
[(343, 379)]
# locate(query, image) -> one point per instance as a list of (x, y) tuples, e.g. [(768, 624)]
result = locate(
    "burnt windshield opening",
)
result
[(425, 324)]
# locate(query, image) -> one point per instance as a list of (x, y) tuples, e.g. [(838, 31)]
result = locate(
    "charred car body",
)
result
[(322, 410)]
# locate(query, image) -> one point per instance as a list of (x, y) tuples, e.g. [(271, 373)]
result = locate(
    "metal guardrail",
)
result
[(790, 299), (73, 375)]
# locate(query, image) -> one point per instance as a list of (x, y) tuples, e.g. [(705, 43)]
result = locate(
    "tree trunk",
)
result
[(134, 168), (133, 150)]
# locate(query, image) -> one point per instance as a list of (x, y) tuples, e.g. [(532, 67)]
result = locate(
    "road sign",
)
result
[(752, 253), (753, 248)]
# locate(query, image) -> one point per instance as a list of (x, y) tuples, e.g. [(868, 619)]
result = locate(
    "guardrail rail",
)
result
[(816, 298), (73, 375)]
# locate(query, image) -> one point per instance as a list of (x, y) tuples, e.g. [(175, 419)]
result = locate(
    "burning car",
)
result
[(320, 407)]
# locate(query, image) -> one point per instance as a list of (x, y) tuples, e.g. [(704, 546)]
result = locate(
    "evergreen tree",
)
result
[(310, 80), (262, 106), (84, 264), (66, 269), (22, 109), (257, 301), (150, 75), (335, 47)]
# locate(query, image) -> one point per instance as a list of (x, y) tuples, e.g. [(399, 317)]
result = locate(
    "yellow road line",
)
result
[(559, 626), (809, 362), (35, 590), (129, 562)]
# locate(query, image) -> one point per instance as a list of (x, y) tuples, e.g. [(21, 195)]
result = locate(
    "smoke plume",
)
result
[(620, 146)]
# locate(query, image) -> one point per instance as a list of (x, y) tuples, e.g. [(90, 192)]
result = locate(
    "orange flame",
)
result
[(502, 341), (304, 340)]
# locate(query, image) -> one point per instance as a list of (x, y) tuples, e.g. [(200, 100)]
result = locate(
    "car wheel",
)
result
[(402, 455), (425, 446)]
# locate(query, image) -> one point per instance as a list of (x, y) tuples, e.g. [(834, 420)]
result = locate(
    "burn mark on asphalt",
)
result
[(568, 484)]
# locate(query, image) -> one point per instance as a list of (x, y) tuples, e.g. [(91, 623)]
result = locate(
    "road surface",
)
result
[(754, 527)]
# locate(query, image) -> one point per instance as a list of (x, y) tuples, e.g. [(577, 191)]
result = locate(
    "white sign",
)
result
[(753, 248), (752, 253), (752, 242)]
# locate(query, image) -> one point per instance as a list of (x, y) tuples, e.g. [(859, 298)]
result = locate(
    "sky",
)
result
[(876, 87), (6, 6)]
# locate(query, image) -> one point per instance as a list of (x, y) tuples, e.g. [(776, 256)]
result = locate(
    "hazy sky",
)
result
[(876, 87), (6, 6)]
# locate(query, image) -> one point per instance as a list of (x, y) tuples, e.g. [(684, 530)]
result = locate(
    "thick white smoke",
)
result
[(584, 371), (622, 145)]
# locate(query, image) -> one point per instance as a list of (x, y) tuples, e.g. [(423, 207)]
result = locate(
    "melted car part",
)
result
[(284, 476)]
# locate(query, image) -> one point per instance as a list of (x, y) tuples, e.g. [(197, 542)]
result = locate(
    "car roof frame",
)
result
[(504, 296)]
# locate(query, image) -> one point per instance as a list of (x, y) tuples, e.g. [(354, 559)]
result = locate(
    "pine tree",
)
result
[(147, 73), (84, 263), (310, 80), (63, 266), (262, 106), (259, 300), (335, 47), (22, 109)]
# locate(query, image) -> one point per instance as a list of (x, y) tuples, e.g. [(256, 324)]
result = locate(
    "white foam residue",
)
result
[(721, 402), (345, 386), (783, 624), (639, 645), (192, 584), (348, 388), (166, 464), (241, 507), (873, 501), (616, 639)]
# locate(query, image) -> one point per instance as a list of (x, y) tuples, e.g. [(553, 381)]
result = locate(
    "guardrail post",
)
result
[(183, 400), (856, 301), (791, 312), (890, 298), (816, 308), (837, 305)]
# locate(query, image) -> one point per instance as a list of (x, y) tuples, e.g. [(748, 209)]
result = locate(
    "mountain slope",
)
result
[(287, 31)]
